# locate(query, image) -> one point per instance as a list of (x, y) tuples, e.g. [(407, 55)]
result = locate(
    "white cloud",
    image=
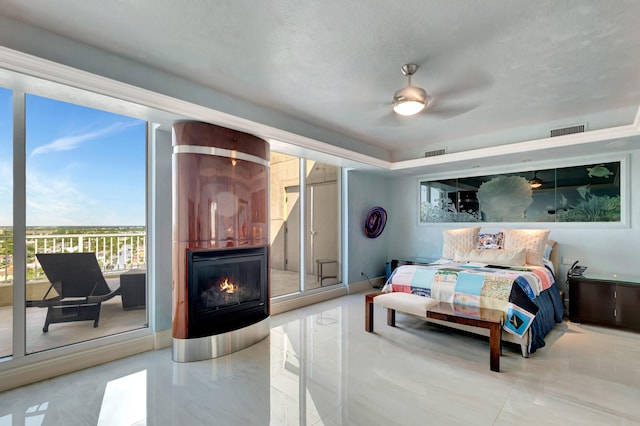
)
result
[(59, 201), (55, 201), (68, 143)]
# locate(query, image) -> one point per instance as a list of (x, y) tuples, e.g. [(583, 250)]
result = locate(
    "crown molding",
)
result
[(576, 139)]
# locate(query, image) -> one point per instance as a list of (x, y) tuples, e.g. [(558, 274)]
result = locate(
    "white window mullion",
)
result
[(302, 200), (19, 225)]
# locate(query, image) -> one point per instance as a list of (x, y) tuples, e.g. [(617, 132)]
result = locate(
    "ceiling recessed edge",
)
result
[(575, 139)]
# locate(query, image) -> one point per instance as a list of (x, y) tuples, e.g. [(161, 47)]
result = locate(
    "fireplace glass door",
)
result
[(227, 281), (228, 288)]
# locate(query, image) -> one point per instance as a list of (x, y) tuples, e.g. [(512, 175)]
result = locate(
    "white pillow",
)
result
[(503, 257), (458, 239), (532, 240)]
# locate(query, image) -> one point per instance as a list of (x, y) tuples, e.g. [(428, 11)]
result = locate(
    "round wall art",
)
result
[(375, 221)]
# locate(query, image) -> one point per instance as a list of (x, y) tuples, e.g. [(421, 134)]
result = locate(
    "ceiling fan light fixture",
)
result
[(408, 106), (409, 100), (536, 182)]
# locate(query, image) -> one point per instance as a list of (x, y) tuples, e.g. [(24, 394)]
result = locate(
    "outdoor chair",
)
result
[(80, 287)]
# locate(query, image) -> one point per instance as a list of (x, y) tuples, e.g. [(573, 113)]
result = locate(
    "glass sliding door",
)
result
[(85, 217), (284, 224), (6, 223), (306, 219), (322, 224)]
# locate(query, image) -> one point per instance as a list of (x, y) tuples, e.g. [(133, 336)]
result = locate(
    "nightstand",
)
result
[(611, 301)]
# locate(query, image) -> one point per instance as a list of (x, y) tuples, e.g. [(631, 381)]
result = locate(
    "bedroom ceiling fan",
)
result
[(410, 100), (442, 103)]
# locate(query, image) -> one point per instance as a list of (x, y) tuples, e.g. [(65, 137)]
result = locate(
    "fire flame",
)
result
[(228, 287)]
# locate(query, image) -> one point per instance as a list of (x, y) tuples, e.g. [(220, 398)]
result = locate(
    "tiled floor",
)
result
[(319, 366)]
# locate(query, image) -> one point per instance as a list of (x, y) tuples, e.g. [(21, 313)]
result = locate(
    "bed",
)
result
[(518, 280)]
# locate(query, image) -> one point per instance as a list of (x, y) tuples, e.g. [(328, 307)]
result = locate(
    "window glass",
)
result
[(284, 205), (322, 224), (85, 193), (585, 193)]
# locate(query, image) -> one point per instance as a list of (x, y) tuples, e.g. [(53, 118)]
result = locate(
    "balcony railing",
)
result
[(116, 252)]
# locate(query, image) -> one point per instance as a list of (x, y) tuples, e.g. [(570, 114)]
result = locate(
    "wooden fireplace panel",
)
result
[(196, 133), (219, 203), (180, 291)]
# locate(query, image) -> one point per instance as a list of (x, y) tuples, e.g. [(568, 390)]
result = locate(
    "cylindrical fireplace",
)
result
[(220, 240)]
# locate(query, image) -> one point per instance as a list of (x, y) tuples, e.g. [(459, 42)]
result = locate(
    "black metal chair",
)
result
[(80, 285)]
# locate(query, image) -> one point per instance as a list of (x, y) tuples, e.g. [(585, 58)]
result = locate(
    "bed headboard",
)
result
[(465, 241), (555, 256)]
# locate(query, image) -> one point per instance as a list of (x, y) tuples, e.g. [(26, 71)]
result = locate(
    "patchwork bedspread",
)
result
[(512, 291)]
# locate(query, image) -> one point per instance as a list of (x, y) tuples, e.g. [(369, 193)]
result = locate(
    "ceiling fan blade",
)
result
[(468, 82), (391, 119), (450, 112)]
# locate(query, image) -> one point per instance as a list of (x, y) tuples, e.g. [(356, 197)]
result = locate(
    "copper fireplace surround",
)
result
[(220, 241)]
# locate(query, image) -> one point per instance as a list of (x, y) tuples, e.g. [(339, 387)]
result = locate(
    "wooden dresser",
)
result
[(612, 301)]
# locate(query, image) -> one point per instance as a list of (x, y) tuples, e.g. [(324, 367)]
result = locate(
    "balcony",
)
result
[(117, 253)]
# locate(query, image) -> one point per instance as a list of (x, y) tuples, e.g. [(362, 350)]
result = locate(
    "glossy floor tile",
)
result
[(319, 367)]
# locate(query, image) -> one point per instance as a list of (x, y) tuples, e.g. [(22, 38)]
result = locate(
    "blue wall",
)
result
[(369, 255), (160, 236)]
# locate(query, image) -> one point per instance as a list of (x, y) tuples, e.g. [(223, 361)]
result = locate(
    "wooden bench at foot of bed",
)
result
[(443, 311)]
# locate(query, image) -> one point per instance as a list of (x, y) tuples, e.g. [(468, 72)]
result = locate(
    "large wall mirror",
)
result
[(582, 193)]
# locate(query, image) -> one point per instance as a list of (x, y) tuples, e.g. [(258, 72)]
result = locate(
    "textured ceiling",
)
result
[(502, 71)]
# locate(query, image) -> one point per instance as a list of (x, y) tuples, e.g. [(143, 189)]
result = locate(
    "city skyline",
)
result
[(84, 167)]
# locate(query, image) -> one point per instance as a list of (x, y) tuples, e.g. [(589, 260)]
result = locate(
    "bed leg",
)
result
[(525, 351)]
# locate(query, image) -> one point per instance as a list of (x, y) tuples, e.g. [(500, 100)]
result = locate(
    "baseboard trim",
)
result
[(31, 372), (362, 286), (288, 304), (163, 339)]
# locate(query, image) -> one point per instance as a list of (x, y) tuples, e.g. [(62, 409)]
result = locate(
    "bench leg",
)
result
[(495, 331), (368, 315), (391, 317)]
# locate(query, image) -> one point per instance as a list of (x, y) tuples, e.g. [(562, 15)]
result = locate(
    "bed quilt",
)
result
[(511, 291)]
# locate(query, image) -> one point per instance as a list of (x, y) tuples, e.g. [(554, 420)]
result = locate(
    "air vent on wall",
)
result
[(580, 128), (435, 152)]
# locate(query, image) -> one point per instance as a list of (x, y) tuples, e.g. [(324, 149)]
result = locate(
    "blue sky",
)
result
[(84, 166)]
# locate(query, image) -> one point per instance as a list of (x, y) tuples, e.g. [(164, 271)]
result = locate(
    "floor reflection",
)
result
[(125, 401), (319, 367), (302, 388)]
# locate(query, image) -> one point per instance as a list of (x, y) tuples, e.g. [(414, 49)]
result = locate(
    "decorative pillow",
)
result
[(533, 240), (458, 239), (490, 241), (504, 257)]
